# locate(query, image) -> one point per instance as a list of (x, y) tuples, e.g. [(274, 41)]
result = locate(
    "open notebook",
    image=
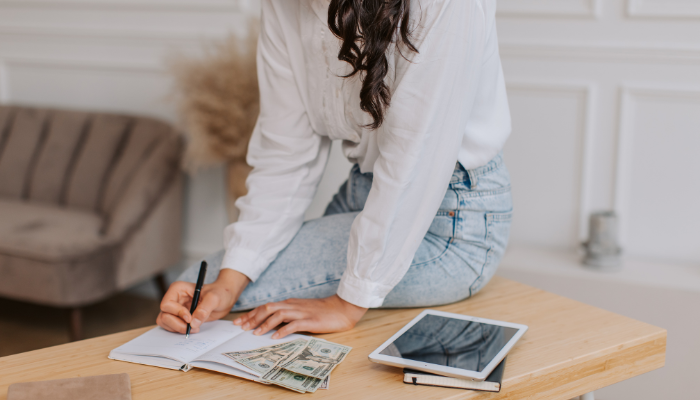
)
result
[(204, 349)]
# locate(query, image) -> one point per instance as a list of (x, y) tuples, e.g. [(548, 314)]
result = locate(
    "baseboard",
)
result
[(634, 271)]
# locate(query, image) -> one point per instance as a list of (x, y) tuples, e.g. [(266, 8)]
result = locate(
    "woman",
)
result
[(415, 90)]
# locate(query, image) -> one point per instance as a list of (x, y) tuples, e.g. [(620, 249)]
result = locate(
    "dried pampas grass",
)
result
[(218, 100)]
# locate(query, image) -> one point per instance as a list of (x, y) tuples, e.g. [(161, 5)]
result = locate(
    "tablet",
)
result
[(450, 344)]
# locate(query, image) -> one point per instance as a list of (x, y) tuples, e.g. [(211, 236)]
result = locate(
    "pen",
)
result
[(197, 289)]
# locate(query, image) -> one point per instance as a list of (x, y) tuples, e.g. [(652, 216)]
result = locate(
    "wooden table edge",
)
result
[(609, 366)]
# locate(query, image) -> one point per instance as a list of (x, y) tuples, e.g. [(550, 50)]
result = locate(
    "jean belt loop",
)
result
[(456, 174), (473, 180)]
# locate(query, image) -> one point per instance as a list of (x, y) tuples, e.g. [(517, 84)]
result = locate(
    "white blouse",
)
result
[(448, 104)]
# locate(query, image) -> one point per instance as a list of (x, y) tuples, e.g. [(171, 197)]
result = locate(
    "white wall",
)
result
[(605, 98)]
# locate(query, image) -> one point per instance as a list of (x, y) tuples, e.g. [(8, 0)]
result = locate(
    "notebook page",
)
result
[(159, 342), (242, 342)]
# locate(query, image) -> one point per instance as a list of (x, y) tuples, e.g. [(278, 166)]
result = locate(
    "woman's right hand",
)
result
[(215, 301)]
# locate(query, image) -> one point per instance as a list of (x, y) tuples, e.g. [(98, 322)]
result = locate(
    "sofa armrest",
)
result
[(145, 189)]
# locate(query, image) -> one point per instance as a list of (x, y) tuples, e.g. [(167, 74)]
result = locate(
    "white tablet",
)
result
[(450, 344)]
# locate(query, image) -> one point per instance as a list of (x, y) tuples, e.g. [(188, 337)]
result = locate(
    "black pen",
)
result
[(197, 289)]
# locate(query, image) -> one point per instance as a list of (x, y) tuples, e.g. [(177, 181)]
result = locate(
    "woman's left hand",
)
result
[(331, 314)]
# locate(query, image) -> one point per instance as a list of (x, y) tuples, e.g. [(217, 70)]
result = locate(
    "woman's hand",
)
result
[(215, 301), (331, 314)]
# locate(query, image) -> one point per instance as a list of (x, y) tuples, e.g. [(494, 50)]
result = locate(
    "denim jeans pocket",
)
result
[(498, 225), (497, 232)]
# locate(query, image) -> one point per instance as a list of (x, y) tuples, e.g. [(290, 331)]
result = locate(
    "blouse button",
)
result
[(452, 213)]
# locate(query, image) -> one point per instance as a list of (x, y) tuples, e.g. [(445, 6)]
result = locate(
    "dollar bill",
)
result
[(248, 353), (290, 380), (317, 359), (263, 362), (244, 354), (326, 383)]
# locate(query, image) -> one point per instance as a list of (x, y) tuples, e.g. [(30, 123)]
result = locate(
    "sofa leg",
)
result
[(75, 324), (161, 284)]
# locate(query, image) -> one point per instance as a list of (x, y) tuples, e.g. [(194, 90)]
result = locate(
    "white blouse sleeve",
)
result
[(418, 144), (287, 157)]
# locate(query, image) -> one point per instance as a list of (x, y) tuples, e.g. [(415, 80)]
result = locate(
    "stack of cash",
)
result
[(299, 365)]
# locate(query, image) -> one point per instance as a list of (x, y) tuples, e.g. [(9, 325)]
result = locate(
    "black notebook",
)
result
[(491, 384)]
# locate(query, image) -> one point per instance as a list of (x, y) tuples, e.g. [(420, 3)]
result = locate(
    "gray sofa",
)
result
[(90, 204)]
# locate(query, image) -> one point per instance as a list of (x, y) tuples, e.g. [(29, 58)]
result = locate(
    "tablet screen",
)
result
[(451, 342)]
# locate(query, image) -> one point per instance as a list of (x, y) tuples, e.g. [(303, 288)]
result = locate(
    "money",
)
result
[(265, 361), (297, 382), (326, 383), (247, 353), (300, 365), (317, 359)]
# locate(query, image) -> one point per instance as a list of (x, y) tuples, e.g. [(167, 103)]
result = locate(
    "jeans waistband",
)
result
[(463, 175), (459, 175)]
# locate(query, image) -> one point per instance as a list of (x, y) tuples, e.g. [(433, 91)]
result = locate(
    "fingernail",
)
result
[(237, 321), (257, 331), (196, 323), (276, 335), (246, 326)]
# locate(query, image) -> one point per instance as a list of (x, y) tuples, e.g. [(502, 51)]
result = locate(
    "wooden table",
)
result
[(571, 349)]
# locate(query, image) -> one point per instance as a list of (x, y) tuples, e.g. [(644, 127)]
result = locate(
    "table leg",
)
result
[(75, 324), (161, 284)]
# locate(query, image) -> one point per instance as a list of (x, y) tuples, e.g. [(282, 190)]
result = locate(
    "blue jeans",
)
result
[(458, 256)]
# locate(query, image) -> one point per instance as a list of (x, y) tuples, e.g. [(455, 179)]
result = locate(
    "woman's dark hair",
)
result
[(367, 29)]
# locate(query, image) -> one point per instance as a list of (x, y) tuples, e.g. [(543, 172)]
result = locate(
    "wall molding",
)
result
[(511, 49), (663, 9), (99, 34), (588, 91), (138, 5), (628, 95), (607, 52), (549, 8), (75, 63), (243, 8), (7, 64)]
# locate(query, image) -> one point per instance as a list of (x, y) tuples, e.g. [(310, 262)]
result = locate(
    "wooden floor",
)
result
[(570, 349)]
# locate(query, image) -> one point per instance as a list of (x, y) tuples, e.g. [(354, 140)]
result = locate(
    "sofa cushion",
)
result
[(24, 134), (99, 151), (47, 232), (72, 283), (64, 133)]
